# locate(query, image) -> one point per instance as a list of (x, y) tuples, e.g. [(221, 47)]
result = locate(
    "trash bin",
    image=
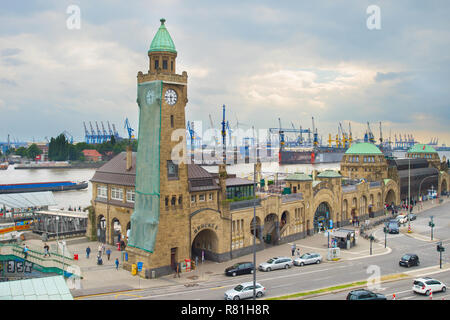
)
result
[(133, 269)]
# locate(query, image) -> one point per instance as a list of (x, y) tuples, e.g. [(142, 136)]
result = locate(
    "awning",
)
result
[(27, 199)]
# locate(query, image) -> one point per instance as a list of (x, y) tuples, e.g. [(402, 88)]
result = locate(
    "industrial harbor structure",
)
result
[(168, 211)]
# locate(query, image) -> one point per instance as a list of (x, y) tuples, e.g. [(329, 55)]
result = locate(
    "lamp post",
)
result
[(431, 224), (254, 231), (371, 238), (409, 195), (385, 229)]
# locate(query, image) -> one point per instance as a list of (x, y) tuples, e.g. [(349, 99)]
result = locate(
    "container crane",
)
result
[(130, 130), (99, 134), (116, 134), (111, 133), (216, 141), (105, 134), (87, 136), (68, 136), (94, 137)]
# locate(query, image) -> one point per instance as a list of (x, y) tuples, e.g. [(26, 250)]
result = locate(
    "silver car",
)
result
[(276, 263), (308, 258), (244, 291)]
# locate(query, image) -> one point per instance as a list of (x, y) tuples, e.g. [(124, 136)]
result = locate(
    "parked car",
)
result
[(276, 263), (244, 290), (239, 269), (363, 294), (402, 218), (308, 258), (393, 227), (412, 216), (426, 285), (409, 260)]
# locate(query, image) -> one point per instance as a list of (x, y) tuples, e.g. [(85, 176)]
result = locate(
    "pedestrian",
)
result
[(293, 249), (196, 260), (108, 253), (100, 250), (88, 251), (46, 250), (298, 252), (99, 259), (203, 256), (117, 263), (25, 251), (177, 270), (103, 247)]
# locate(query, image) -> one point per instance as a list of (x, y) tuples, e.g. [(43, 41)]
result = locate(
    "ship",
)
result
[(312, 155), (42, 186)]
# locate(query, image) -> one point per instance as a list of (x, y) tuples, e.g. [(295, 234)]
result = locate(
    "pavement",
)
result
[(97, 280)]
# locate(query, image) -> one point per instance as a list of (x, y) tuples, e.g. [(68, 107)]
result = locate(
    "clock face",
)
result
[(171, 97), (149, 97)]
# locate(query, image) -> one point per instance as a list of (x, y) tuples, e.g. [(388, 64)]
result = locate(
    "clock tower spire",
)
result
[(161, 210)]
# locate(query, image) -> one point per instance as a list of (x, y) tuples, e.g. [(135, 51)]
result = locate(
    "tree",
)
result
[(33, 151), (21, 151)]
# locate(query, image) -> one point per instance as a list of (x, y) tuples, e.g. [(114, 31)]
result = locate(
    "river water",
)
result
[(76, 198)]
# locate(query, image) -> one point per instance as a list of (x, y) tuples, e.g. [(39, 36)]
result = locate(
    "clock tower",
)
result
[(160, 221)]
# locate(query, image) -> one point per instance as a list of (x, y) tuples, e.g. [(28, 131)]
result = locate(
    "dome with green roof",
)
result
[(329, 174), (364, 148), (298, 176), (421, 148), (162, 40)]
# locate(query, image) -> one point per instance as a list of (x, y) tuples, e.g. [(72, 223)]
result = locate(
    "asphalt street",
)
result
[(311, 277)]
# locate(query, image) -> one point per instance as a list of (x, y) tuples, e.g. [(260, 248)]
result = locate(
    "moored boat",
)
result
[(42, 186)]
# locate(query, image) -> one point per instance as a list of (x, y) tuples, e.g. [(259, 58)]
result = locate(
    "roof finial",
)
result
[(162, 21)]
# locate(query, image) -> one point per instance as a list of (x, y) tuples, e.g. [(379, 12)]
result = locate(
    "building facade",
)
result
[(211, 215)]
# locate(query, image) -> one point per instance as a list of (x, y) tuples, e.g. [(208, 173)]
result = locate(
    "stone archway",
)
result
[(363, 206), (257, 227), (322, 217), (116, 231), (101, 229), (344, 210), (206, 244), (390, 197), (271, 230)]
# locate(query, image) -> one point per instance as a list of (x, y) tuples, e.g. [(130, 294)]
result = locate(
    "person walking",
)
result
[(293, 246), (88, 251), (177, 270), (100, 248), (103, 248), (46, 250), (25, 251), (298, 252), (117, 263), (108, 253)]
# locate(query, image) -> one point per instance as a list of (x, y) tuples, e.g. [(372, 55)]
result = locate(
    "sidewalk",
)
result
[(102, 279)]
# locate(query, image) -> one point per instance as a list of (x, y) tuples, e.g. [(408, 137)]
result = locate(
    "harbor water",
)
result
[(76, 198)]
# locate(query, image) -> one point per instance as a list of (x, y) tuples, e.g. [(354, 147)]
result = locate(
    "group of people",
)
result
[(102, 250), (295, 250)]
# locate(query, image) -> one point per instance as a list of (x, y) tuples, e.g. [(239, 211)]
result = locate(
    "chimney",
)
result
[(129, 158)]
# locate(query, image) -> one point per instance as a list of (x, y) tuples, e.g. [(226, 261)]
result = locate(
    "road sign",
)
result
[(139, 266)]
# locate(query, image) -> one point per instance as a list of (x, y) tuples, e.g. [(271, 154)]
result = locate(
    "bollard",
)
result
[(393, 297)]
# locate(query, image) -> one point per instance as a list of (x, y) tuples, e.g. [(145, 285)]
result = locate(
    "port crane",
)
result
[(87, 136), (130, 130), (68, 136)]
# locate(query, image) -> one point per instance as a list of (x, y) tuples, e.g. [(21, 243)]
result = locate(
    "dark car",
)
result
[(239, 268), (393, 227), (362, 294), (409, 260)]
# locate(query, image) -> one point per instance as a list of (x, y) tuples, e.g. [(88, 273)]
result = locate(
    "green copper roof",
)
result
[(421, 148), (298, 176), (363, 148), (329, 174), (162, 40)]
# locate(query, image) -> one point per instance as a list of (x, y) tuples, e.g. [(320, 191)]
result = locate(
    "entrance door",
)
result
[(173, 257)]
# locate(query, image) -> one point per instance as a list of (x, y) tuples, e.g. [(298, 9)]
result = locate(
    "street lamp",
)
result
[(440, 249), (254, 231), (371, 238), (431, 224), (386, 230)]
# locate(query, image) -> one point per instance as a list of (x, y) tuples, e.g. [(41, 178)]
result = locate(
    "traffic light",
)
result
[(440, 248), (431, 224)]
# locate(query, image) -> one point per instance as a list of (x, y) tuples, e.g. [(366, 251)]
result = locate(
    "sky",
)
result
[(264, 60)]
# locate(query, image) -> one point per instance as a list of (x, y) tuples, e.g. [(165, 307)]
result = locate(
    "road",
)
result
[(311, 277)]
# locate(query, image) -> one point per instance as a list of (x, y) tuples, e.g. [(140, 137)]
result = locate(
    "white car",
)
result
[(244, 291), (308, 258), (426, 285), (402, 218), (276, 263)]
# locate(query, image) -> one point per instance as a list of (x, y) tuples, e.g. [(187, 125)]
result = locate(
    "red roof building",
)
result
[(92, 155)]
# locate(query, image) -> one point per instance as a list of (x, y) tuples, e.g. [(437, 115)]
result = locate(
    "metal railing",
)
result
[(237, 205), (291, 197)]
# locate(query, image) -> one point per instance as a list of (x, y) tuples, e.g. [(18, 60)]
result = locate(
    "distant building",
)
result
[(92, 155)]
